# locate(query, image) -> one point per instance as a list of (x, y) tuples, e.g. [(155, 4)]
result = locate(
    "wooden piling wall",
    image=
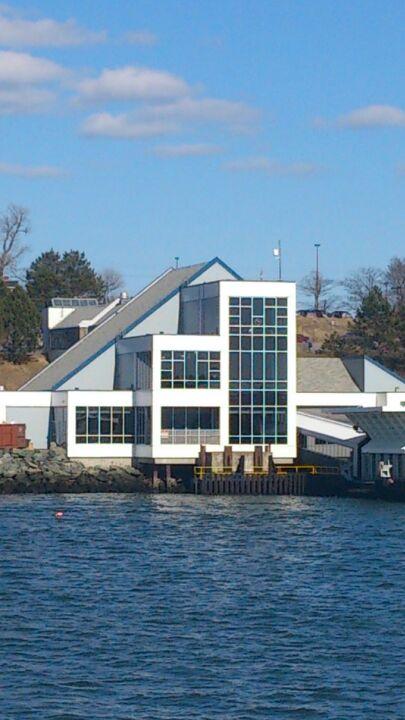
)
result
[(216, 484)]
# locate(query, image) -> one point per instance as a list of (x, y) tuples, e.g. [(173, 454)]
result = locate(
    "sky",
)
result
[(143, 130)]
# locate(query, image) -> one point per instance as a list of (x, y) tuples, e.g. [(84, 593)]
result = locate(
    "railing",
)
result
[(200, 471), (190, 437)]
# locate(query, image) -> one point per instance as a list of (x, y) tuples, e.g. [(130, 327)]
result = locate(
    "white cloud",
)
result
[(371, 116), (30, 171), (125, 126), (272, 167), (237, 114), (19, 32), (141, 37), (132, 83), (25, 100), (187, 150), (22, 68)]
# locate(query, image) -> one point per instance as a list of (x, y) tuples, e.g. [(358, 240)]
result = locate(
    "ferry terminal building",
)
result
[(201, 357)]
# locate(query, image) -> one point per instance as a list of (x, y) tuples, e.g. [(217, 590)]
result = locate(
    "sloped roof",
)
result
[(79, 314), (323, 374), (125, 317)]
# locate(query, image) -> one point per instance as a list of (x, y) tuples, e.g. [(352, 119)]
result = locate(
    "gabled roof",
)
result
[(323, 374), (118, 324)]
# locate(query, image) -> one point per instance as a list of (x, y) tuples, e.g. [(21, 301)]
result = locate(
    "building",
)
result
[(68, 320), (199, 357)]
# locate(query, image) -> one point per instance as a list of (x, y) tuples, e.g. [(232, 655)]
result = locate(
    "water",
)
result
[(180, 607)]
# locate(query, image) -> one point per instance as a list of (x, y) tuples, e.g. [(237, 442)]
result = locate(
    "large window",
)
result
[(190, 369), (143, 425), (143, 370), (190, 425), (258, 370), (103, 424)]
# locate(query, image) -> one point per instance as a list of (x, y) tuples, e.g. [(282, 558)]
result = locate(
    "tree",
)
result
[(394, 281), (70, 275), (334, 345), (21, 324), (13, 224), (318, 287), (113, 281), (359, 284), (378, 330)]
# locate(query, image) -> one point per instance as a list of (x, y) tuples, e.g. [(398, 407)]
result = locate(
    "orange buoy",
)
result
[(59, 514)]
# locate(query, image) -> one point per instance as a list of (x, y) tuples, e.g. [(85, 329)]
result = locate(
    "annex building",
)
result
[(199, 357)]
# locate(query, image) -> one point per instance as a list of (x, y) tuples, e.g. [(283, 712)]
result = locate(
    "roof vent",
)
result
[(123, 297)]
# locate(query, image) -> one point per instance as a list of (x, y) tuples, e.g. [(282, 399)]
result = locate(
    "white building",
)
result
[(199, 357)]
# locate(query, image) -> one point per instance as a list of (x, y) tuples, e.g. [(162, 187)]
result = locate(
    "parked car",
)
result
[(339, 314), (311, 313)]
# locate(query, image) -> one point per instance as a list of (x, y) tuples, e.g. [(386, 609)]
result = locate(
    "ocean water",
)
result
[(180, 607)]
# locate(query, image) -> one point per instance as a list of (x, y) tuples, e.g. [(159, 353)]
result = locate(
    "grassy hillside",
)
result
[(317, 329), (13, 376)]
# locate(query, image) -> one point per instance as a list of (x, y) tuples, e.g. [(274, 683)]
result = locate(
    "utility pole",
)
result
[(317, 288)]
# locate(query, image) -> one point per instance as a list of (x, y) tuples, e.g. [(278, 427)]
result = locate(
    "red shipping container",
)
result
[(12, 435)]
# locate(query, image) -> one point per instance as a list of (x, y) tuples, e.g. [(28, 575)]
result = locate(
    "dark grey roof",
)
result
[(79, 314), (104, 334), (323, 374)]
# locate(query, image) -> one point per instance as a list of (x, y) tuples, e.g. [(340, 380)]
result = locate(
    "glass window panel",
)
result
[(282, 365), (178, 354), (258, 341), (117, 421), (282, 302), (81, 413), (203, 355), (282, 422), (166, 355), (190, 366), (179, 418), (270, 423), (234, 301), (178, 370), (167, 417), (257, 306), (215, 356), (234, 398), (270, 316), (234, 366), (234, 342), (215, 418), (246, 342), (234, 426), (129, 421), (270, 302), (246, 397), (92, 421), (205, 418), (257, 423), (202, 370), (282, 398), (282, 343), (245, 423), (257, 365), (270, 366), (270, 343), (247, 301), (246, 316), (192, 418), (258, 398), (105, 421), (246, 370), (270, 397)]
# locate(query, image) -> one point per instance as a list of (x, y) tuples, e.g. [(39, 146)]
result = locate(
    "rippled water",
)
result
[(180, 607)]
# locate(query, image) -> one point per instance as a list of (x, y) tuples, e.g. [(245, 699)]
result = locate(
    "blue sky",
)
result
[(138, 131)]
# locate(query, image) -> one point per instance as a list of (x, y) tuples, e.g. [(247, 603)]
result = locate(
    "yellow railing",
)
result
[(200, 471)]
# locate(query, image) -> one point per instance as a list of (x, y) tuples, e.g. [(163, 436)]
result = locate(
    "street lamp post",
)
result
[(317, 293)]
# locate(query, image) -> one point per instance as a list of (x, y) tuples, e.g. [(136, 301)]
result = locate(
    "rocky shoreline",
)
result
[(51, 471)]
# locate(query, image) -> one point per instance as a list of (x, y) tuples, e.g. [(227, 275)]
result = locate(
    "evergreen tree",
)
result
[(21, 323), (70, 275), (378, 331)]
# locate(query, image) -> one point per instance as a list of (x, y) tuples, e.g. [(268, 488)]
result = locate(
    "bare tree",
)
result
[(359, 284), (318, 287), (394, 281), (113, 281), (14, 223)]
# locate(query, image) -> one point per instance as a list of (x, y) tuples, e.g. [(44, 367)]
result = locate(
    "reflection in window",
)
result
[(257, 370), (104, 425), (190, 369), (190, 425)]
